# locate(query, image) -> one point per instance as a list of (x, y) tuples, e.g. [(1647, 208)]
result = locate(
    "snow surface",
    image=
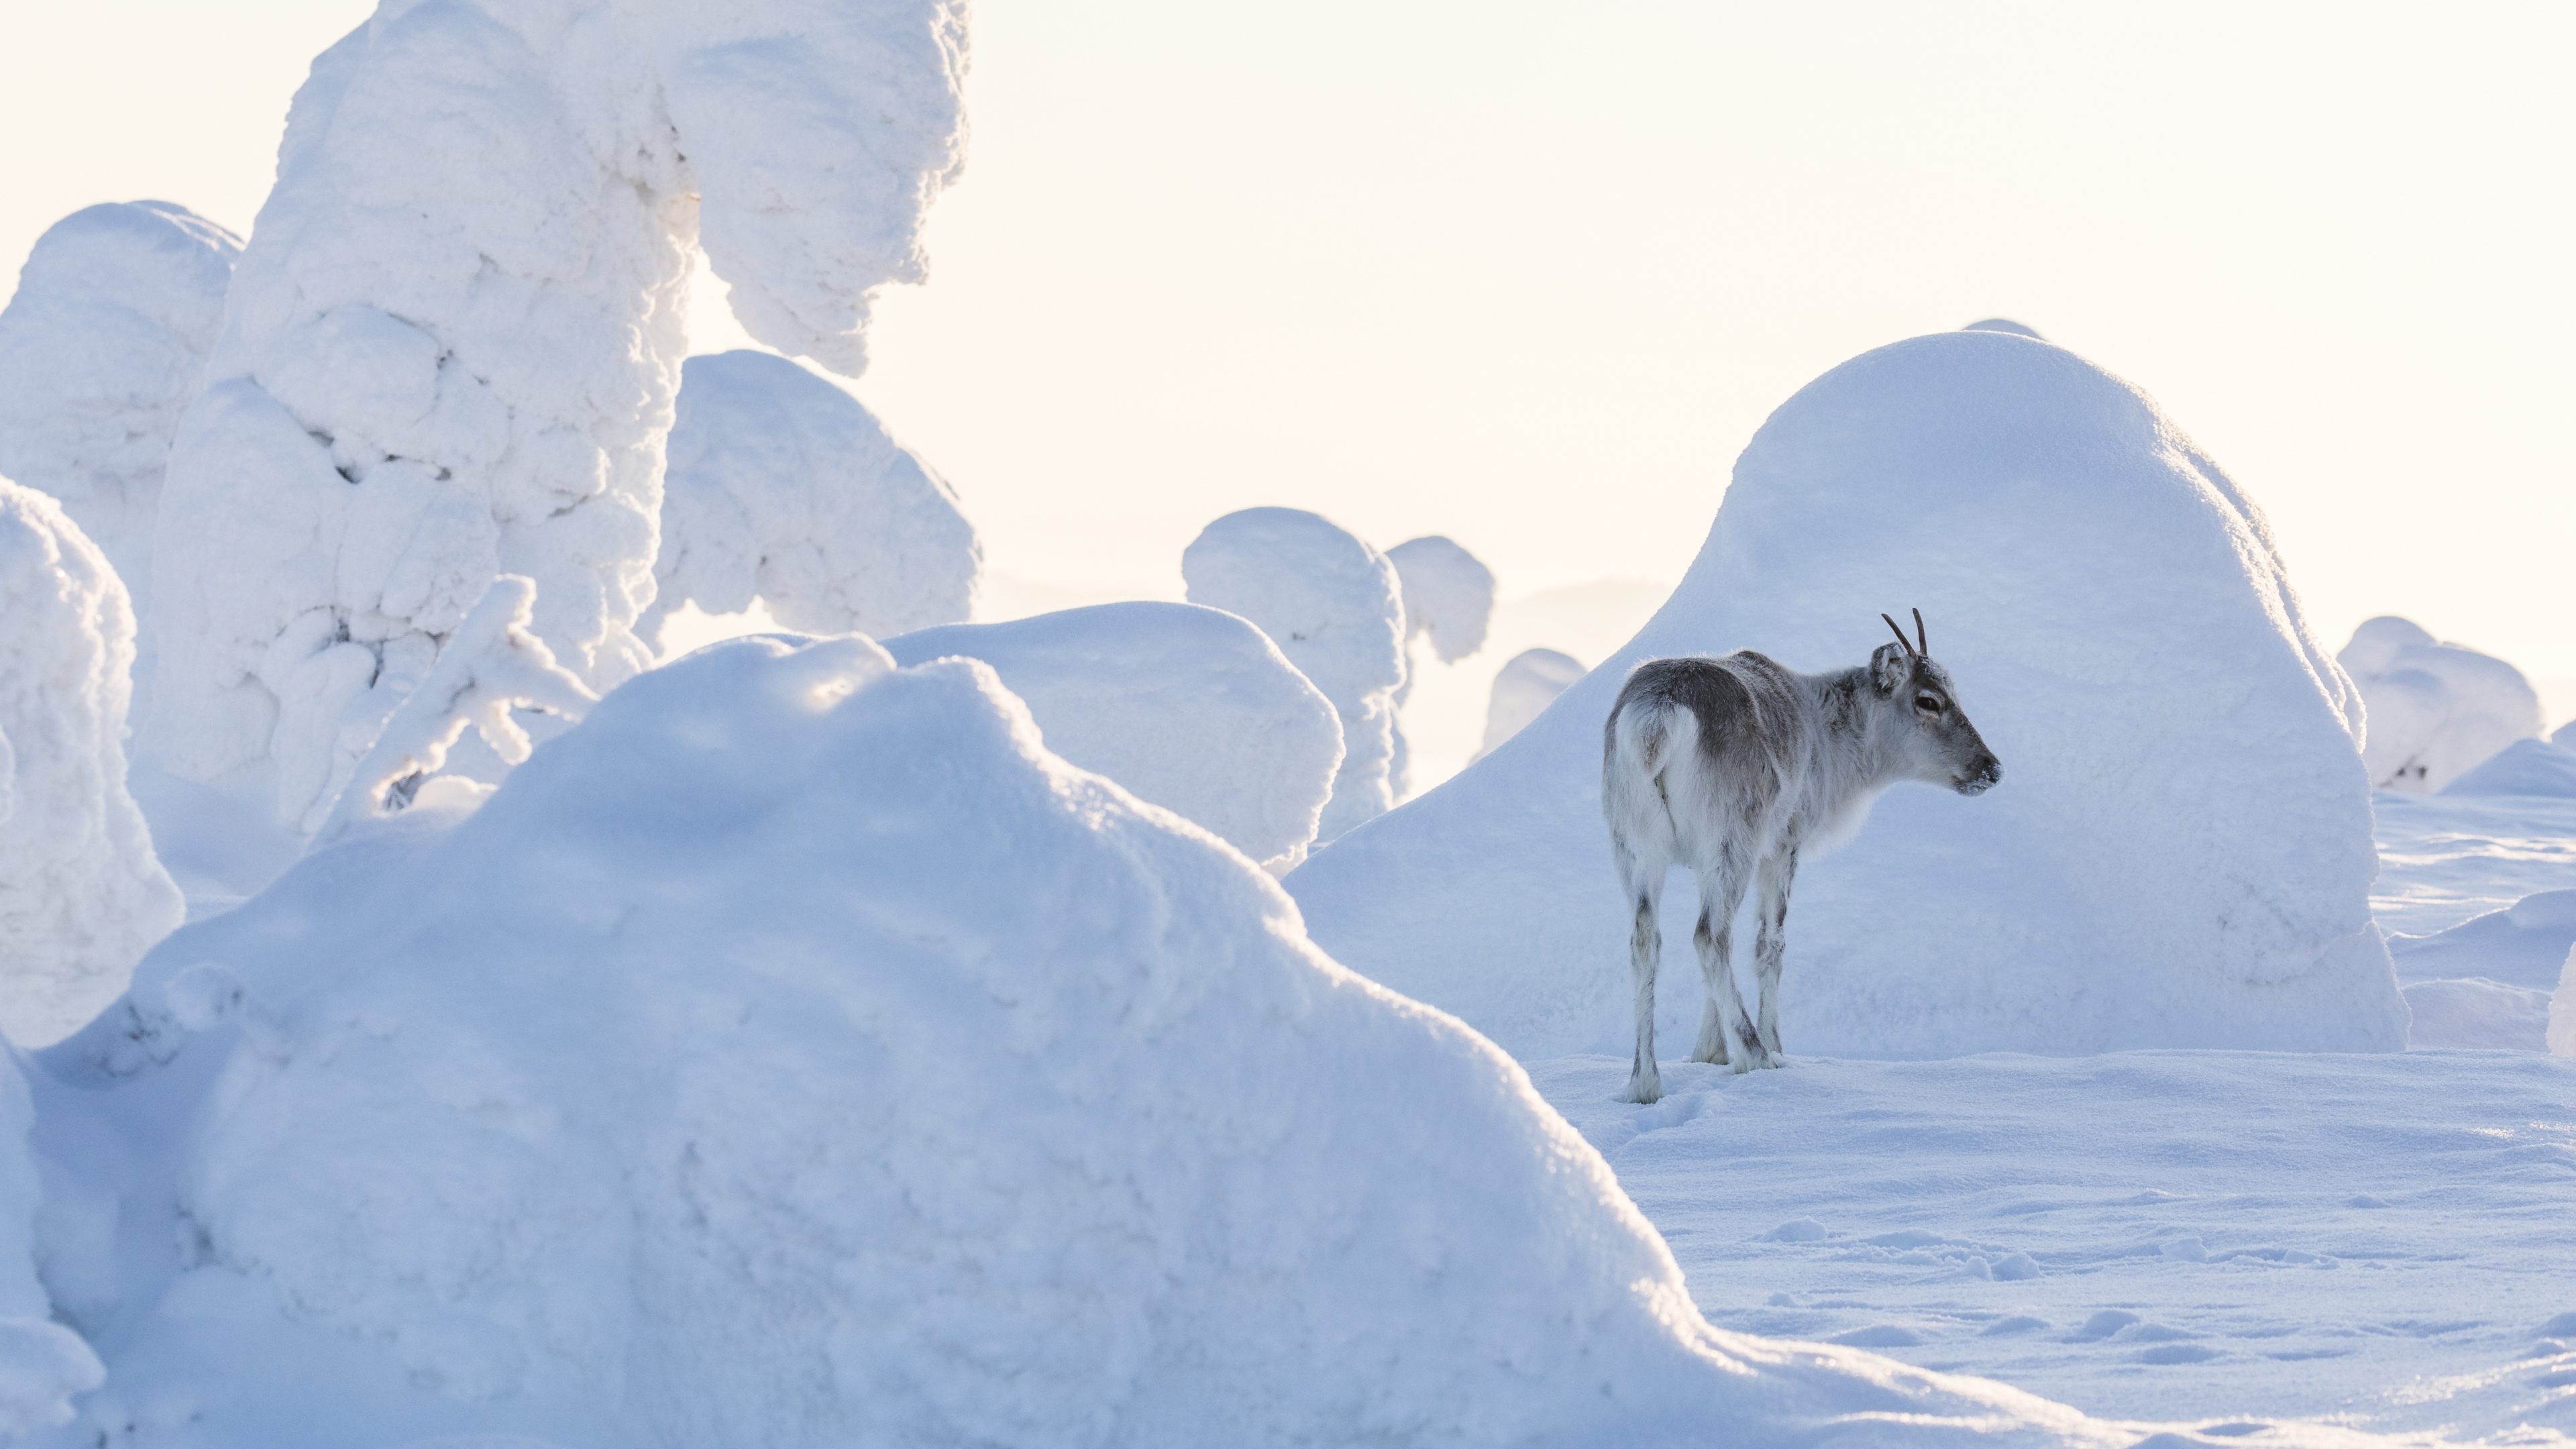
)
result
[(2180, 852), (1332, 605), (452, 343), (1189, 708), (2436, 710), (1523, 690), (785, 489), (796, 1053), (81, 895), (103, 344)]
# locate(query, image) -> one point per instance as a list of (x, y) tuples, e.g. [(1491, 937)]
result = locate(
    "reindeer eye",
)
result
[(1928, 703)]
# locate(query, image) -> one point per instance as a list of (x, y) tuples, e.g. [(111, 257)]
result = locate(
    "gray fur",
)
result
[(1735, 766)]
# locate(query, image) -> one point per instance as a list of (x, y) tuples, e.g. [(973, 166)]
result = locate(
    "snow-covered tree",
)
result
[(1333, 606), (1448, 595), (102, 346), (455, 335), (82, 896), (784, 488), (1523, 689), (2435, 710)]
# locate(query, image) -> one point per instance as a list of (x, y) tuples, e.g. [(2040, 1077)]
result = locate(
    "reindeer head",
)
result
[(1934, 738)]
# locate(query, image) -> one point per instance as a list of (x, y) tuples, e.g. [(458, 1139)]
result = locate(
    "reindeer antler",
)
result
[(1920, 646), (1910, 650)]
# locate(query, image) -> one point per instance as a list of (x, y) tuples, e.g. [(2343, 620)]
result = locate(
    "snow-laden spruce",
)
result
[(1333, 606), (2181, 855), (1189, 708), (81, 894), (2436, 710), (454, 338), (102, 346), (1523, 688), (1448, 596), (797, 1053), (785, 489), (42, 1364)]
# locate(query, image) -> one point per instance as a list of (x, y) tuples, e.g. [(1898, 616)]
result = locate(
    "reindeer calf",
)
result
[(1732, 766)]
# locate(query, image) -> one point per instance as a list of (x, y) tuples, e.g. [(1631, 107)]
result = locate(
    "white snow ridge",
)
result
[(2180, 851), (2436, 710), (786, 489), (452, 343), (796, 1053), (1333, 606), (1189, 708), (103, 344), (81, 894)]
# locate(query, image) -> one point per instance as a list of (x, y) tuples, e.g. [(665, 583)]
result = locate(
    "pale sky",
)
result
[(1531, 274)]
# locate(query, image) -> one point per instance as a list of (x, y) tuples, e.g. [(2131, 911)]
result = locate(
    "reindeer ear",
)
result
[(1888, 669)]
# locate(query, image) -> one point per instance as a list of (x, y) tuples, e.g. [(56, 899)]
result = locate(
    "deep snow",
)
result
[(2180, 851), (794, 1052)]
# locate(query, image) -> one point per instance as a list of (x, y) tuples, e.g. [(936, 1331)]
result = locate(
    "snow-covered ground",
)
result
[(2378, 1241)]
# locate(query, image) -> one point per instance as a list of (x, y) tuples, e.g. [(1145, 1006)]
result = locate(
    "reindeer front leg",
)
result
[(1770, 941)]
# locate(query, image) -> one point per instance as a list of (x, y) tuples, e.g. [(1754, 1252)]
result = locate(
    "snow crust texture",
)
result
[(81, 894), (786, 489), (102, 346), (1189, 708), (2436, 710), (453, 340), (796, 1053), (2180, 852), (1333, 606), (1526, 685)]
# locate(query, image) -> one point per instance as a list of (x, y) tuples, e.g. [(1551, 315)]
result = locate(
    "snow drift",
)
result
[(104, 343), (1332, 605), (786, 489), (2180, 852), (795, 1053), (1189, 708), (2436, 710), (81, 894), (1524, 687), (453, 340), (2525, 767)]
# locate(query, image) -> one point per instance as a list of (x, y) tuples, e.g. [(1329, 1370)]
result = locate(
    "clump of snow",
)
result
[(492, 669), (104, 343), (1189, 708), (785, 489), (2561, 1035), (2436, 710), (1448, 595), (2005, 324), (42, 1364), (453, 341), (1333, 606), (81, 895), (2525, 767), (2180, 852), (1527, 684), (796, 1053)]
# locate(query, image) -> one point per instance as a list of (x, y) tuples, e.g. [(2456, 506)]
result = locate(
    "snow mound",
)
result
[(453, 341), (1448, 594), (2436, 710), (81, 894), (2522, 944), (2005, 324), (2561, 1032), (2564, 737), (1332, 605), (2180, 852), (795, 1053), (1189, 708), (2475, 1014), (2525, 767), (104, 343), (42, 1365), (1526, 685), (785, 489)]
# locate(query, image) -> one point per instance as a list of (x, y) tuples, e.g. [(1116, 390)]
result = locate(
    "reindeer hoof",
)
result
[(1644, 1091)]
